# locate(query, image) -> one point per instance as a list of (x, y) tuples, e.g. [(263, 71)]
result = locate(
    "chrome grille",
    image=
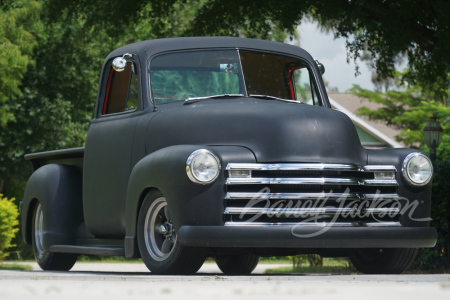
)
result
[(307, 194)]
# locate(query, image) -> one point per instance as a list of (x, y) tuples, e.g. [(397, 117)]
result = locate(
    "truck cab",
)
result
[(228, 148)]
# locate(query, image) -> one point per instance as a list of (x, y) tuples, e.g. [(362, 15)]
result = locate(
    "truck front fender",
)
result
[(190, 203), (58, 189), (416, 198)]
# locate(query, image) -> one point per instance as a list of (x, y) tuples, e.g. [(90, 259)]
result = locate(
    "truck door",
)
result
[(108, 151)]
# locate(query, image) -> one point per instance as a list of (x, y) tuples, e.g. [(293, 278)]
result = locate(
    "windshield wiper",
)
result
[(195, 99), (273, 98)]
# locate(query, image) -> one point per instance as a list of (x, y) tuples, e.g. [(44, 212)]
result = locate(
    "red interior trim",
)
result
[(289, 78), (107, 91)]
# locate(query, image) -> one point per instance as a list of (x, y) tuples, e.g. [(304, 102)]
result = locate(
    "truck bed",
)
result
[(72, 156)]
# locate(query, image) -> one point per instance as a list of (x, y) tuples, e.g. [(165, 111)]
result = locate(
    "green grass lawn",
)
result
[(330, 266), (14, 266), (335, 270)]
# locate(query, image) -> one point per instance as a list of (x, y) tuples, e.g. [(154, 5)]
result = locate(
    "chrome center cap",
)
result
[(166, 229), (163, 229)]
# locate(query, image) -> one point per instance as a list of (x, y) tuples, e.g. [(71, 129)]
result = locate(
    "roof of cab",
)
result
[(151, 47)]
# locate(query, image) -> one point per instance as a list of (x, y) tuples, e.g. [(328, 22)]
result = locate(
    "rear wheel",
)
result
[(383, 261), (237, 264), (157, 240), (48, 260)]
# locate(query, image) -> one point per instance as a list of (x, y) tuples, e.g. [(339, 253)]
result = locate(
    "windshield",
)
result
[(179, 76)]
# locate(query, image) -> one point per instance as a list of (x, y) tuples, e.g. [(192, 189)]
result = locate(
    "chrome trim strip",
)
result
[(380, 197), (290, 224), (383, 224), (310, 167), (293, 167), (377, 182), (311, 196), (381, 168), (383, 210), (294, 212), (293, 196), (305, 224), (302, 181), (286, 211)]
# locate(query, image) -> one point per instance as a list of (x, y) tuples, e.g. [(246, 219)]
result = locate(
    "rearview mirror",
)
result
[(321, 67)]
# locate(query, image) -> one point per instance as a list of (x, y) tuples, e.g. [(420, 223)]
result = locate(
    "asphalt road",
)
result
[(123, 280)]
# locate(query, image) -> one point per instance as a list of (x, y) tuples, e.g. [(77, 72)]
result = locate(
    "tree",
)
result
[(17, 22), (408, 111), (387, 29)]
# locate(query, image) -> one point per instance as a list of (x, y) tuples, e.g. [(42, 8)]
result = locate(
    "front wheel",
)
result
[(48, 260), (157, 240), (237, 264), (383, 261)]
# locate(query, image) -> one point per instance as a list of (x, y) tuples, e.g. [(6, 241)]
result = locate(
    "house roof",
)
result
[(349, 104)]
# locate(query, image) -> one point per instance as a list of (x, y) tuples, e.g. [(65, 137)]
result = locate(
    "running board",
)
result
[(89, 250)]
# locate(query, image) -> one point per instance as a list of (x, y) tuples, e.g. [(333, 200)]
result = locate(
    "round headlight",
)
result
[(417, 169), (202, 166)]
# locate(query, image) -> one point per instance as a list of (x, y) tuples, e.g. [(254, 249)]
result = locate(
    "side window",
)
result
[(122, 91), (304, 87)]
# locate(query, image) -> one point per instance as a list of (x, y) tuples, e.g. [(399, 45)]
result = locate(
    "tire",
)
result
[(157, 240), (383, 261), (237, 264), (48, 260)]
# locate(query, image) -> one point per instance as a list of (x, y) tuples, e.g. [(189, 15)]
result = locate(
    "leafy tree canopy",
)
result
[(17, 22), (409, 111), (387, 29)]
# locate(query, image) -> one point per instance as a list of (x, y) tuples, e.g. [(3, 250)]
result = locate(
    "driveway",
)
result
[(124, 280)]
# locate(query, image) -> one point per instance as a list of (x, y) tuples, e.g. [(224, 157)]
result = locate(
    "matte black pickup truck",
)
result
[(226, 148)]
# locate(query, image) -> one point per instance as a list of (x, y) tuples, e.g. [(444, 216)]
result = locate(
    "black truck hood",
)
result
[(275, 131)]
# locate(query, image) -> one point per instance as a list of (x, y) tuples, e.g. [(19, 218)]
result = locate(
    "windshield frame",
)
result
[(312, 72)]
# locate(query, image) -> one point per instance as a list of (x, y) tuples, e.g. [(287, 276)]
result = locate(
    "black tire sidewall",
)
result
[(390, 261), (243, 264)]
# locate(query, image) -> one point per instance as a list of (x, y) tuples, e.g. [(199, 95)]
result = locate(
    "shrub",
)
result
[(8, 225), (439, 256), (312, 259)]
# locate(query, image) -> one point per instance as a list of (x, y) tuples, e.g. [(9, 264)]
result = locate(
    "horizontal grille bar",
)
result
[(374, 168), (293, 212), (380, 197), (322, 224), (320, 181), (378, 182), (310, 196), (310, 167), (293, 196), (307, 181), (293, 167)]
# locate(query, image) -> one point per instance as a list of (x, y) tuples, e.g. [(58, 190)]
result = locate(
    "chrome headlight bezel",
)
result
[(406, 165), (191, 160)]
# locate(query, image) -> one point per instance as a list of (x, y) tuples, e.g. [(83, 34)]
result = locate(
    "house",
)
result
[(373, 134)]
